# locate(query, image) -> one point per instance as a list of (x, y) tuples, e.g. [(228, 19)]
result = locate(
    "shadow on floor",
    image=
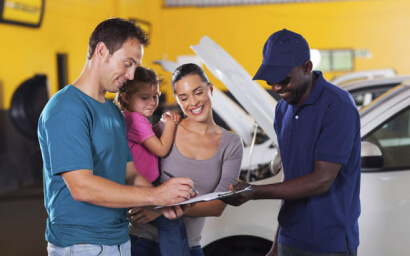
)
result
[(23, 222)]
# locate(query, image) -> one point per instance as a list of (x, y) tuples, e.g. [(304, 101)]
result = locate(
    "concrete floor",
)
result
[(22, 222)]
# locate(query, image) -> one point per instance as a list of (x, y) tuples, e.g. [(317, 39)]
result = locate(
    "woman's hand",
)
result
[(141, 215), (175, 212)]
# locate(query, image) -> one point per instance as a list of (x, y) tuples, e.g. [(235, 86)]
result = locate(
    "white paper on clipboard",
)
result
[(210, 197)]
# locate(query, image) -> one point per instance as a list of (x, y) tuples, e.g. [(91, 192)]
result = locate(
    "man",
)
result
[(318, 130), (86, 157)]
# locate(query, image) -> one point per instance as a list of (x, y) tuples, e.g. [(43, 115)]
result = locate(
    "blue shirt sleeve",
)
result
[(68, 142), (339, 129)]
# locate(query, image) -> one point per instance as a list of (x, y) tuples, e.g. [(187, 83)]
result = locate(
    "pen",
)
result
[(172, 176)]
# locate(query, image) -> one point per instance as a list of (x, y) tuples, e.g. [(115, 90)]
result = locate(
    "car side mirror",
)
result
[(372, 157)]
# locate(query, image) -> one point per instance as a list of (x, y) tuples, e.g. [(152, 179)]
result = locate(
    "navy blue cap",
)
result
[(283, 51)]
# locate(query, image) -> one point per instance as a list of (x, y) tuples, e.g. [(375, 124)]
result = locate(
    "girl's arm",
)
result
[(160, 146)]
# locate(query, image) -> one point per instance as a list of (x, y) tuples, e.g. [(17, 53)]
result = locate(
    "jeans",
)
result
[(90, 250), (172, 237), (285, 250), (144, 247)]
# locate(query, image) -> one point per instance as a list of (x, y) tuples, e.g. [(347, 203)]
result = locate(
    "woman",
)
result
[(202, 151)]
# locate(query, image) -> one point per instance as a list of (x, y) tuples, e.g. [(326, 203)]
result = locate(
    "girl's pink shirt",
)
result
[(139, 129)]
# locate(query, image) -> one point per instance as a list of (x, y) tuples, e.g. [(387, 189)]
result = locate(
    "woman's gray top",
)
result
[(210, 175)]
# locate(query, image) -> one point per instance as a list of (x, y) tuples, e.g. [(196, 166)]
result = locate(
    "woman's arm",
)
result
[(229, 173), (213, 208)]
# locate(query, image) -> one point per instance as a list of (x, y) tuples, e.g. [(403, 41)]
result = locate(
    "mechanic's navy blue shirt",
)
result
[(325, 128)]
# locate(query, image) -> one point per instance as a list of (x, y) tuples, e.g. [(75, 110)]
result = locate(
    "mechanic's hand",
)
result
[(238, 199), (141, 215)]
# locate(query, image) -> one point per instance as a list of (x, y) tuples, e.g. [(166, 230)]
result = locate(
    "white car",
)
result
[(385, 193), (365, 91), (363, 75)]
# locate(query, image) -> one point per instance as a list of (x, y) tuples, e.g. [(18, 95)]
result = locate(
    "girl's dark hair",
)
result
[(188, 69), (113, 33), (142, 77)]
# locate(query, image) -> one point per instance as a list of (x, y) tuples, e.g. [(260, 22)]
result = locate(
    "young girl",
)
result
[(138, 99)]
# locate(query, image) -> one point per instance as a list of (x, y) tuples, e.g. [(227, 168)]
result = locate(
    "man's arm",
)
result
[(87, 187), (314, 183), (139, 214)]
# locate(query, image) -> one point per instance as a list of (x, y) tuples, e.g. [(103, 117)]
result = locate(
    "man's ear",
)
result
[(307, 67), (124, 97), (101, 51)]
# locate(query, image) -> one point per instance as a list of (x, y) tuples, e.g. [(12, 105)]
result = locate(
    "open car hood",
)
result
[(255, 99)]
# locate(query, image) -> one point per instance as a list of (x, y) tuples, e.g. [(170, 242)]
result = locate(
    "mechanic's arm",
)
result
[(314, 183)]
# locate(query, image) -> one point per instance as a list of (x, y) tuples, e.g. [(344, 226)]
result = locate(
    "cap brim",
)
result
[(272, 73)]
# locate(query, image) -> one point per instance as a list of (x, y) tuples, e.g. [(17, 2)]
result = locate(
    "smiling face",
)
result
[(296, 87), (144, 101), (119, 67), (194, 96)]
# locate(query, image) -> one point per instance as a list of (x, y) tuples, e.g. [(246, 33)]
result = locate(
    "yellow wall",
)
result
[(65, 28), (377, 25)]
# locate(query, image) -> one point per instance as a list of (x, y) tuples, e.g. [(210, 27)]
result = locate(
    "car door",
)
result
[(385, 191)]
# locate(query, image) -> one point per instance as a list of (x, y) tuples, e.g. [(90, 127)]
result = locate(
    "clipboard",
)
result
[(210, 197)]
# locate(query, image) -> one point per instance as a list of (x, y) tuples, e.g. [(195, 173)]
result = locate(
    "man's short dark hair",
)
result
[(113, 33)]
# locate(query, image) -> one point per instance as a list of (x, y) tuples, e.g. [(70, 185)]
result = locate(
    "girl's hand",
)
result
[(171, 116), (140, 215)]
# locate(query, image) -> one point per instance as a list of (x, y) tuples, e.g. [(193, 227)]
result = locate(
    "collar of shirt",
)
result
[(314, 94)]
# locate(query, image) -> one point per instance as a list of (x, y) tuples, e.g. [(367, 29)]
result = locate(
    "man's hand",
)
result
[(173, 191), (240, 198)]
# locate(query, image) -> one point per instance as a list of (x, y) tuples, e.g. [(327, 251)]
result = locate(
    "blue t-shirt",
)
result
[(325, 128), (77, 132)]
